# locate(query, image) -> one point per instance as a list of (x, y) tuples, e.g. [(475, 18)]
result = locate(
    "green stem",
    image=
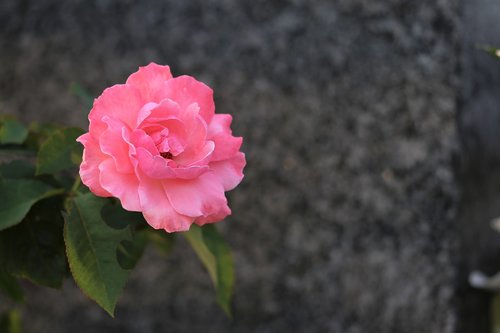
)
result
[(55, 192), (76, 184)]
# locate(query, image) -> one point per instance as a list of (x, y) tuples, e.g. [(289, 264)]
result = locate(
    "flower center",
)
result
[(167, 155)]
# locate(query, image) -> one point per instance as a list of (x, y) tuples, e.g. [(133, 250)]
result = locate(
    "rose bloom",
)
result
[(156, 144)]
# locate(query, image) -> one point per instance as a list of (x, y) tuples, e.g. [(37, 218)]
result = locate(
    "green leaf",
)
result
[(495, 313), (17, 198), (10, 322), (17, 169), (60, 151), (118, 218), (12, 132), (216, 256), (39, 133), (91, 247), (10, 286), (129, 252), (34, 249)]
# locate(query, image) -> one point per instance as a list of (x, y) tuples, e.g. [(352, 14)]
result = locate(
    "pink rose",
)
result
[(156, 144)]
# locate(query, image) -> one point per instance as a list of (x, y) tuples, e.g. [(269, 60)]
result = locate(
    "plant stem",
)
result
[(76, 184)]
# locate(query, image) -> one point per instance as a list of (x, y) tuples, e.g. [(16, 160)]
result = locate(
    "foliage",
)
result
[(10, 322), (216, 256), (52, 228), (493, 51)]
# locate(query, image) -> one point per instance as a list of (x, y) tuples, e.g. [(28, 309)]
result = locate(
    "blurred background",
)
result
[(371, 130)]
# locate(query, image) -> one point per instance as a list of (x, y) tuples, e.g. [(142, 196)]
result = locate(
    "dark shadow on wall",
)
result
[(479, 170)]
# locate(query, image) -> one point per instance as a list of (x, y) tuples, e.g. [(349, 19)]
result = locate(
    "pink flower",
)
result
[(156, 144)]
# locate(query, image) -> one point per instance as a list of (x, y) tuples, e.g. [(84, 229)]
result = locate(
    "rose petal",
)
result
[(157, 167), (145, 112), (156, 144), (216, 217), (148, 79), (229, 172), (121, 101), (155, 113), (185, 90), (89, 169), (197, 197), (195, 126), (165, 118), (219, 130), (120, 185), (157, 209), (113, 142), (192, 157), (138, 138), (153, 166)]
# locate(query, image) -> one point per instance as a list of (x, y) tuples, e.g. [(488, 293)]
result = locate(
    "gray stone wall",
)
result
[(345, 221)]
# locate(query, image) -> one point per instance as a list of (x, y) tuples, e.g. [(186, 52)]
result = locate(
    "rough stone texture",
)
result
[(344, 222)]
